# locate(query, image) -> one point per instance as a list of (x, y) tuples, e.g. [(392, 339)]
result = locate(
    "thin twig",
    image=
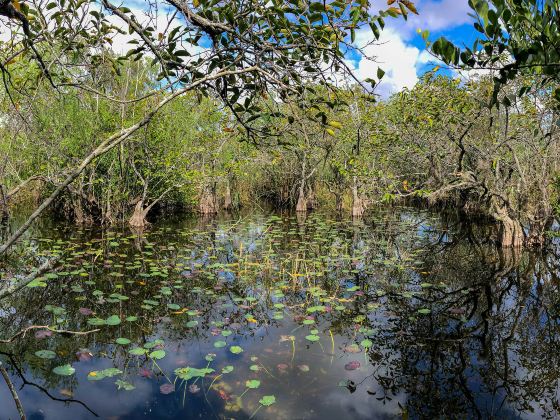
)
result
[(13, 391), (46, 327)]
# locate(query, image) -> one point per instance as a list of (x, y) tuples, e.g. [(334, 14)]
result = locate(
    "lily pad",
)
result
[(157, 355), (64, 370), (45, 354), (253, 384), (235, 349), (267, 400), (113, 320)]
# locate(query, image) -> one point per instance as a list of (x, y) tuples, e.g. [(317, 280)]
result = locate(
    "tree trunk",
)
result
[(3, 202), (311, 200), (511, 231), (207, 203), (338, 202), (536, 237), (138, 218), (358, 203), (228, 202), (301, 205)]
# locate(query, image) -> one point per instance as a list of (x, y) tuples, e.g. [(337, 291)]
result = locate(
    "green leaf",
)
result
[(366, 343), (235, 349), (138, 351), (253, 384), (113, 320), (96, 321), (45, 354), (267, 400), (127, 386), (157, 355), (64, 370)]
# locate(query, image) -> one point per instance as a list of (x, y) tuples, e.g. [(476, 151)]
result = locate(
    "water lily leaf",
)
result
[(253, 384), (367, 343), (96, 321), (122, 341), (113, 320), (64, 370), (173, 306), (192, 324), (424, 311), (312, 337), (157, 355), (267, 400), (227, 369), (127, 386), (45, 354), (220, 344), (235, 349), (36, 283), (154, 343), (138, 351), (188, 372)]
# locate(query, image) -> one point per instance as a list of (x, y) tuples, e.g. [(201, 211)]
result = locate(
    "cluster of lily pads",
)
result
[(228, 282)]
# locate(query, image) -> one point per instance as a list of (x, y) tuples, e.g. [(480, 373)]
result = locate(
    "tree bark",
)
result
[(511, 232), (358, 203), (138, 218), (301, 205), (208, 200), (228, 202)]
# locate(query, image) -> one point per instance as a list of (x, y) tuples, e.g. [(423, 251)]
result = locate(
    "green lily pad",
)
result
[(45, 354), (366, 343), (138, 351), (267, 400), (253, 384), (157, 355), (235, 349), (127, 386), (64, 370), (113, 320)]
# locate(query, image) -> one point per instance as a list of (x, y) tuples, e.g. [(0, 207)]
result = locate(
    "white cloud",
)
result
[(399, 60)]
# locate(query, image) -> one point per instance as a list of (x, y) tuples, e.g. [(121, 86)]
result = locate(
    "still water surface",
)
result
[(405, 315)]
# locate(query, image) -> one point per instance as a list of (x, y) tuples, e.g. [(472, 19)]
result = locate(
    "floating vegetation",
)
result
[(228, 317)]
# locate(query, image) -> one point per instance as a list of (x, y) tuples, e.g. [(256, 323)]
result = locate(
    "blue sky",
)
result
[(401, 50)]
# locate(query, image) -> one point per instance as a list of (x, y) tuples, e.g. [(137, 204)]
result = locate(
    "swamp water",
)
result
[(406, 315)]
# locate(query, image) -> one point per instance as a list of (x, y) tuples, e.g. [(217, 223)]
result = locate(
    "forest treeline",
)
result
[(218, 105), (438, 144)]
